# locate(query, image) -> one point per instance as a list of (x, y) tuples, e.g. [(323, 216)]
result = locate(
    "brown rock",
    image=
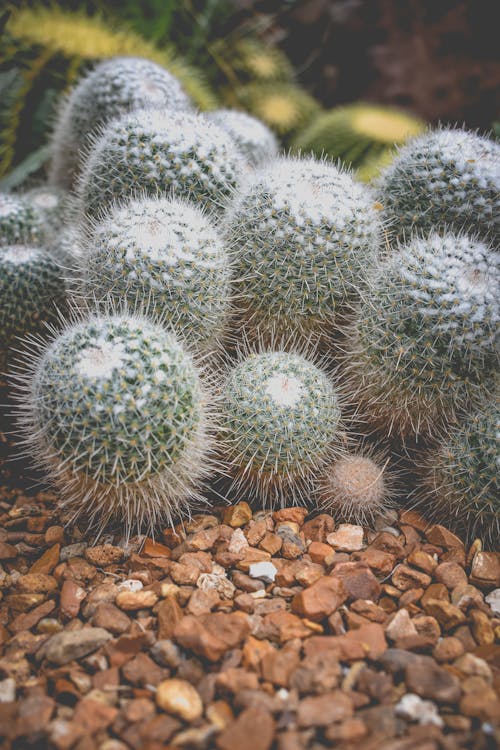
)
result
[(378, 560), (405, 578), (318, 552), (427, 679), (422, 560), (242, 735), (63, 647), (481, 627), (204, 539), (485, 570), (7, 551), (358, 580), (184, 575), (318, 528), (387, 542), (372, 639), (400, 628), (369, 610), (111, 618), (451, 575), (412, 518), (443, 537), (133, 600), (141, 671), (237, 515), (212, 635), (483, 705), (445, 613), (283, 626), (169, 615), (155, 549), (347, 538), (72, 596), (277, 666), (271, 543), (32, 618), (54, 534), (295, 515), (36, 583), (94, 715), (321, 599), (202, 602), (435, 591), (322, 710), (308, 572), (351, 730), (448, 649), (48, 561), (235, 680)]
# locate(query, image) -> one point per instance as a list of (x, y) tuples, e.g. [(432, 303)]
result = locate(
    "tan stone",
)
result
[(321, 599), (180, 698)]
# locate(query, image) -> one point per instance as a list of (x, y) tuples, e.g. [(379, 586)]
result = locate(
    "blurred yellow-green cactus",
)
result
[(43, 51), (284, 107)]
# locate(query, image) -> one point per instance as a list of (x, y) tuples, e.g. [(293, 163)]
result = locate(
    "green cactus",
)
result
[(31, 294), (357, 487), (444, 179), (260, 62), (304, 234), (166, 255), (280, 421), (114, 410), (460, 476), (20, 222), (284, 107), (155, 152), (254, 139), (112, 88), (52, 204), (423, 343), (357, 133)]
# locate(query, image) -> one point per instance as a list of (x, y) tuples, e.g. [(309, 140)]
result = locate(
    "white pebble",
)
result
[(413, 708), (131, 584), (493, 599), (264, 570)]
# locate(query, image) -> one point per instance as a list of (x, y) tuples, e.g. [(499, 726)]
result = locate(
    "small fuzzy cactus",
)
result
[(444, 178), (304, 233), (357, 133), (460, 476), (166, 255), (20, 221), (52, 204), (158, 152), (424, 341), (32, 292), (112, 88), (356, 488), (254, 139), (280, 420), (114, 411)]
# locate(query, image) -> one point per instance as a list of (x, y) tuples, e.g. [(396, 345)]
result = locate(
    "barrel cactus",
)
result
[(460, 476), (52, 204), (155, 152), (163, 254), (32, 292), (424, 341), (357, 487), (280, 422), (114, 87), (304, 234), (20, 222), (446, 178), (254, 139), (114, 410), (357, 133)]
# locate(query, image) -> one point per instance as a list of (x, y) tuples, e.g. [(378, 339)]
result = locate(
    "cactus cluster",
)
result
[(112, 88), (166, 252), (187, 233), (158, 151), (305, 234)]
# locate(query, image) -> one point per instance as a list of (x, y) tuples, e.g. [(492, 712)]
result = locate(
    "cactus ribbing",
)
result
[(423, 344), (114, 409), (460, 476), (166, 255), (254, 139), (113, 88), (20, 222), (280, 419), (304, 233), (156, 151), (444, 178), (31, 293)]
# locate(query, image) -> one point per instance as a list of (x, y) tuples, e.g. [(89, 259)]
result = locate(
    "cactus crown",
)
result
[(254, 139), (114, 408), (305, 233), (280, 419), (444, 178), (157, 151), (426, 334), (20, 222), (166, 253)]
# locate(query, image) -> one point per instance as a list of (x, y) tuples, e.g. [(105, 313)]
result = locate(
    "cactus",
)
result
[(444, 178), (165, 254), (20, 222), (280, 420), (357, 487), (113, 88), (460, 476), (50, 48), (284, 107), (357, 133), (259, 62), (31, 294), (304, 232), (155, 151), (113, 409), (52, 204), (254, 139), (423, 344)]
